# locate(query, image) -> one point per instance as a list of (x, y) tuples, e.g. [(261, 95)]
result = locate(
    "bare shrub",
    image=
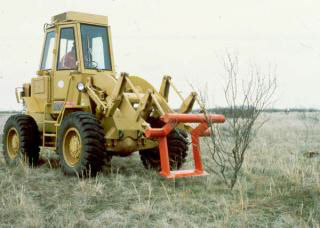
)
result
[(245, 103)]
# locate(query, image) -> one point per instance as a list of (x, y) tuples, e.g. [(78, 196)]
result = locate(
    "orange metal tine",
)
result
[(192, 118), (195, 134), (164, 157)]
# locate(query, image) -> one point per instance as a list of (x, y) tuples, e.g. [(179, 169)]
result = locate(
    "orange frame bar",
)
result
[(171, 120)]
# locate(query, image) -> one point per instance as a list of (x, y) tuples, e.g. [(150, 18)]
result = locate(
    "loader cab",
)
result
[(77, 41), (77, 45)]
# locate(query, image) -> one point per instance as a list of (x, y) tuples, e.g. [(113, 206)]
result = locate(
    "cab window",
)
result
[(67, 56), (47, 58), (95, 46)]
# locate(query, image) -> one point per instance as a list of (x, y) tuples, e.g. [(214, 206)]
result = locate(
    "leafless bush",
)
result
[(246, 101)]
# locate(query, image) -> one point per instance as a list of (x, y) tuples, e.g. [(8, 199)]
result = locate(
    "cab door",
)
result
[(66, 67)]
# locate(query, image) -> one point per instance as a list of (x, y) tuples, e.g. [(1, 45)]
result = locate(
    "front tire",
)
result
[(81, 145), (21, 140)]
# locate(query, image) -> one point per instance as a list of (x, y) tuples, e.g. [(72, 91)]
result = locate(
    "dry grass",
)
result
[(280, 187)]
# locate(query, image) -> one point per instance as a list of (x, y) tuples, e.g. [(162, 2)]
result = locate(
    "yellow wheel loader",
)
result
[(78, 107)]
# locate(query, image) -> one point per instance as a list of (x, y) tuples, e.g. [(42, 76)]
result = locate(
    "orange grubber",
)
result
[(171, 120)]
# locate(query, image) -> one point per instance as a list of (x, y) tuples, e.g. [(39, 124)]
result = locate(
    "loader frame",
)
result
[(123, 105)]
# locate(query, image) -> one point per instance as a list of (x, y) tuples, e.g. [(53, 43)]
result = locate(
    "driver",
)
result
[(68, 61)]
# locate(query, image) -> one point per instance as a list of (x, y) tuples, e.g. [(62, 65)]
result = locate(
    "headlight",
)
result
[(81, 87)]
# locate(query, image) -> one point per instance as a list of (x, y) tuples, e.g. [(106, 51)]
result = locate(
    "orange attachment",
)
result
[(171, 120)]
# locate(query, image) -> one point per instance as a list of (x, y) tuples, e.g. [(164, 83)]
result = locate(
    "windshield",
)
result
[(95, 45)]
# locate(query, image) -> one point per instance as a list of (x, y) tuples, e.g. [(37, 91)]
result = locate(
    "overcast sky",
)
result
[(185, 39)]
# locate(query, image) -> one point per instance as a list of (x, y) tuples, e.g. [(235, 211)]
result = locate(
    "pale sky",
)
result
[(182, 38)]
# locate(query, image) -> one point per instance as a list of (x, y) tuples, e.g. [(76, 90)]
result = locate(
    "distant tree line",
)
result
[(9, 112), (239, 112), (244, 112)]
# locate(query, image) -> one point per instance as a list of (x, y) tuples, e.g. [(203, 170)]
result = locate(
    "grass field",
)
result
[(279, 187)]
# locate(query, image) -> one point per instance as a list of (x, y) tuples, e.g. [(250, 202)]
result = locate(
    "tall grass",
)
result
[(279, 187)]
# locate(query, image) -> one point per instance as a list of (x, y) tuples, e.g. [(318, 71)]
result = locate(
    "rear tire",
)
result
[(177, 149), (21, 140), (81, 145)]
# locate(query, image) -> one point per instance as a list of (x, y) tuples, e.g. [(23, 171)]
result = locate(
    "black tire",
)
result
[(177, 147), (21, 140), (92, 156)]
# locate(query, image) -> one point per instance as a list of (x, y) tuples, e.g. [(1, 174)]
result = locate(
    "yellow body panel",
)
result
[(40, 88)]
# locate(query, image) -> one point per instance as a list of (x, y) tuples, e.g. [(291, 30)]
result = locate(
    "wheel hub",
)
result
[(13, 143), (72, 147)]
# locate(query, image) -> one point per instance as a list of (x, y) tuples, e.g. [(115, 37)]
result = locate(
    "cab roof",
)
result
[(80, 17)]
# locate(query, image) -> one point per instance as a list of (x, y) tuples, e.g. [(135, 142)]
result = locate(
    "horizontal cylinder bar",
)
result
[(192, 118), (184, 173), (155, 132)]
